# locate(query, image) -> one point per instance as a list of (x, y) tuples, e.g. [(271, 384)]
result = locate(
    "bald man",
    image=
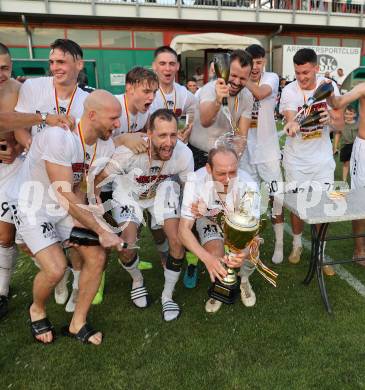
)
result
[(45, 199)]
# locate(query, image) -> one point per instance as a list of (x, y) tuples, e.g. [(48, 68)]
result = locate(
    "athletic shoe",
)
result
[(61, 291), (191, 276), (100, 293), (277, 257), (70, 307), (328, 270), (248, 296), (294, 257), (212, 305), (3, 305)]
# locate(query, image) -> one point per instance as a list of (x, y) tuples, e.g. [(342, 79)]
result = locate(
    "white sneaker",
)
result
[(294, 257), (278, 256), (70, 307), (248, 296), (61, 291), (212, 305)]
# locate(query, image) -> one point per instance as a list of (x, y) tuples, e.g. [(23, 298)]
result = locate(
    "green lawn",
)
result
[(287, 341)]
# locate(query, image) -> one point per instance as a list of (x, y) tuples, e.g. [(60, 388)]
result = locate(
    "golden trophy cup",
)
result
[(239, 228)]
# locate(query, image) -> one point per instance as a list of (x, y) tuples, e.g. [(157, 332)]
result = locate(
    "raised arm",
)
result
[(211, 102), (259, 92), (356, 93)]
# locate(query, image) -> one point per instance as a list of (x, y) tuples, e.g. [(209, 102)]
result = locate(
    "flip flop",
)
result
[(41, 327), (82, 335)]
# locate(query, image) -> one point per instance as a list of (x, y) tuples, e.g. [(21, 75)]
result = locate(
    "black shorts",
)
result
[(200, 157), (345, 152)]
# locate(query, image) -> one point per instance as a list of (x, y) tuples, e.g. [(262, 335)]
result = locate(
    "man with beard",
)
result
[(175, 97), (10, 163), (142, 182), (140, 89), (43, 199), (262, 155), (308, 158), (211, 120), (208, 192)]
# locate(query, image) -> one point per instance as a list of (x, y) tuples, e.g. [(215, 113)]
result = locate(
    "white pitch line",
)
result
[(341, 271)]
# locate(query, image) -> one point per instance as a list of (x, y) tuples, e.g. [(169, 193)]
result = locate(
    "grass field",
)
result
[(287, 341)]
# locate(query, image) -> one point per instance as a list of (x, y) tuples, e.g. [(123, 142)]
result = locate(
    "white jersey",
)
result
[(30, 188), (240, 106), (130, 123), (134, 175), (200, 186), (311, 148), (262, 140), (180, 100), (38, 95)]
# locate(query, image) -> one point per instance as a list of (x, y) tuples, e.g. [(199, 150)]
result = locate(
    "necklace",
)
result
[(84, 181)]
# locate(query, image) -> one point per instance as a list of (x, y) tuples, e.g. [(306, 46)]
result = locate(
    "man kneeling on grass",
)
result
[(144, 182), (208, 192)]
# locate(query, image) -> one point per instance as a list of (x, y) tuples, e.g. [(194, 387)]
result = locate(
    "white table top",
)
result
[(320, 207)]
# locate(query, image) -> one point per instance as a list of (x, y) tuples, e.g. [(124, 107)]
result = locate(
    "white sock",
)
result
[(76, 275), (278, 255), (171, 278), (297, 240), (137, 281), (7, 262)]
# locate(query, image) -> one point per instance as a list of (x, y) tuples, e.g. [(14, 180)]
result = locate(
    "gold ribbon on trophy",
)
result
[(265, 271)]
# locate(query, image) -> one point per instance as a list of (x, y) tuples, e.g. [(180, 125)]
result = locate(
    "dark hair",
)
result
[(305, 56), (161, 113), (4, 49), (68, 46), (351, 108), (220, 149), (242, 56), (164, 49), (256, 51), (191, 79), (139, 74)]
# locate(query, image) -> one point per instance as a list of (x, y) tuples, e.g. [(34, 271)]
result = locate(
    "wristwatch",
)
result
[(44, 118)]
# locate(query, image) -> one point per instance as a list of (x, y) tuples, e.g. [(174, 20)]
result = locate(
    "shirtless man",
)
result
[(357, 161)]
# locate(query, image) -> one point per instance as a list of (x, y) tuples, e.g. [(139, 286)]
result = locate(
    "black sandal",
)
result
[(82, 335), (41, 327)]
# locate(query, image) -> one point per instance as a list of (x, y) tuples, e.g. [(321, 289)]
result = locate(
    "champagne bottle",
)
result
[(321, 93), (87, 237), (83, 236), (311, 120), (222, 65)]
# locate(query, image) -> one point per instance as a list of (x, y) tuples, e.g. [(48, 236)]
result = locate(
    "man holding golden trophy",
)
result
[(224, 204)]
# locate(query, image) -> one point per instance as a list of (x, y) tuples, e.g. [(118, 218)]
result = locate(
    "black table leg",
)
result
[(318, 258), (312, 262)]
